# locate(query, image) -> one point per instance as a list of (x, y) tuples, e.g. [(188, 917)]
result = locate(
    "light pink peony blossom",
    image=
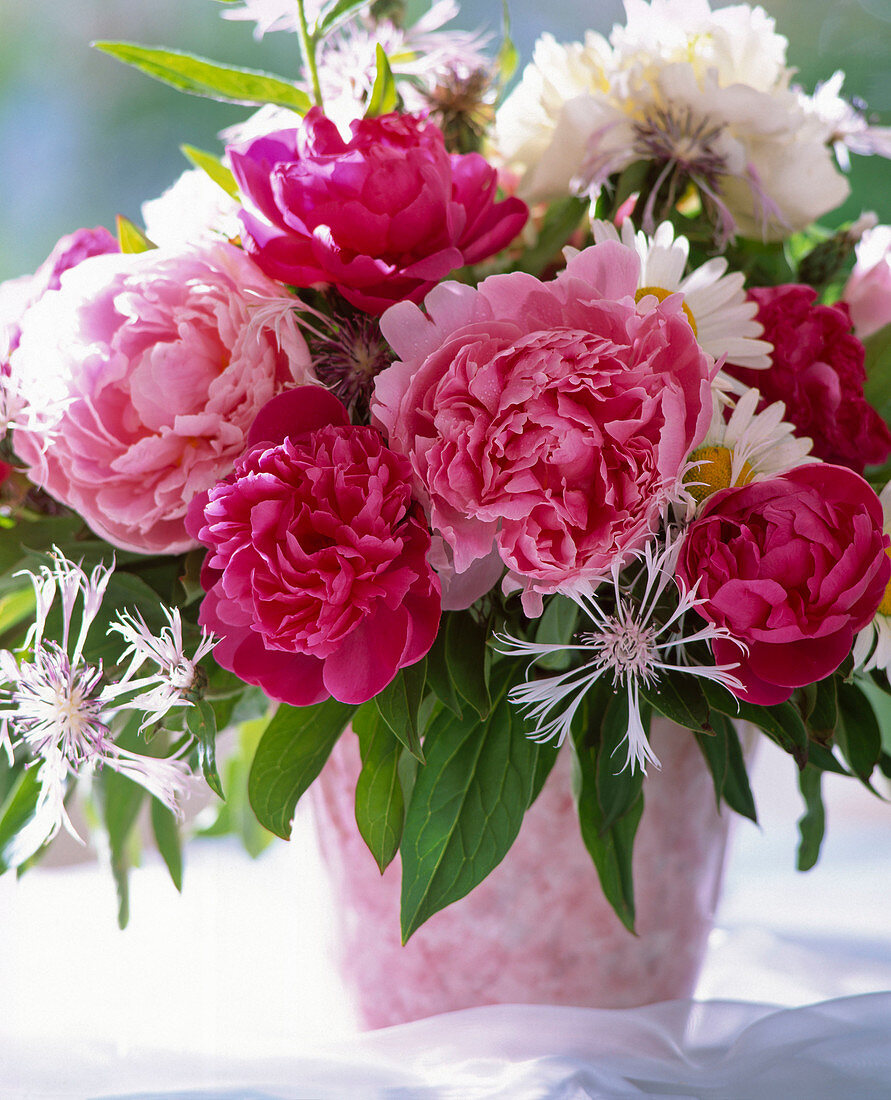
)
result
[(868, 290), (317, 578), (793, 567), (161, 372), (549, 420)]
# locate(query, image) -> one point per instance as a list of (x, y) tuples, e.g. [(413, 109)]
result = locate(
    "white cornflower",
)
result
[(749, 446), (629, 643), (847, 129), (61, 708), (715, 302), (273, 15), (872, 646)]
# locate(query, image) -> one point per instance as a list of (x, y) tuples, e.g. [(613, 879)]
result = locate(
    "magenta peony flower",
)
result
[(161, 373), (317, 577), (553, 419), (18, 295), (817, 370), (793, 567), (383, 216)]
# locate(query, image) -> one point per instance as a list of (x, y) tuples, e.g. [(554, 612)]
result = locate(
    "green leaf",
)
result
[(130, 237), (822, 758), (199, 76), (547, 758), (812, 824), (723, 754), (383, 97), (291, 753), (467, 658), (380, 806), (466, 808), (167, 839), (782, 723), (439, 678), (213, 167), (335, 14), (680, 698), (508, 57), (399, 704), (877, 388), (858, 734), (121, 800), (610, 848), (562, 219), (201, 722), (822, 716), (618, 788), (556, 627), (16, 811)]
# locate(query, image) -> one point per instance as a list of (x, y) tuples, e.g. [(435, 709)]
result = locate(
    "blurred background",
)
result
[(85, 138)]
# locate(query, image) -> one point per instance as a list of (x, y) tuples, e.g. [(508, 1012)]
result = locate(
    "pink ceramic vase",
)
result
[(538, 930)]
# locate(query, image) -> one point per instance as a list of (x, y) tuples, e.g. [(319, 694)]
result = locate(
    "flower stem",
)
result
[(308, 49)]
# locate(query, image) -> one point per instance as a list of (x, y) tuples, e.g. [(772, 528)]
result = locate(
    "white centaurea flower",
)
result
[(847, 128), (629, 643), (61, 708)]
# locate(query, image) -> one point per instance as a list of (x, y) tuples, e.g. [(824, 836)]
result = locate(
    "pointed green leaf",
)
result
[(508, 56), (467, 806), (167, 839), (16, 811), (334, 14), (130, 237), (618, 788), (556, 627), (213, 167), (467, 658), (822, 717), (291, 753), (201, 77), (399, 704), (384, 97), (439, 678), (822, 758), (812, 824), (723, 754), (201, 722), (782, 723), (121, 800), (610, 848), (547, 758), (858, 734), (380, 806), (680, 698)]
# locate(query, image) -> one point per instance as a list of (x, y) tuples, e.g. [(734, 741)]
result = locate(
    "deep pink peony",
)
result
[(317, 578), (18, 295), (383, 216), (793, 567), (817, 370), (553, 419), (162, 372)]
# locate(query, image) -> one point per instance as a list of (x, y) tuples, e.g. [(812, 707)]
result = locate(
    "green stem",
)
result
[(308, 48)]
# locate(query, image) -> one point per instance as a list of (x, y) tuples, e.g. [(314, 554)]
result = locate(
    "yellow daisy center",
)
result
[(714, 472), (885, 605), (661, 294)]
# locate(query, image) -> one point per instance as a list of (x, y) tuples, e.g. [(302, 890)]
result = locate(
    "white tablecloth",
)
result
[(224, 991)]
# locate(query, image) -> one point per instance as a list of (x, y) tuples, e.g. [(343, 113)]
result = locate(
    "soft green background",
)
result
[(84, 138)]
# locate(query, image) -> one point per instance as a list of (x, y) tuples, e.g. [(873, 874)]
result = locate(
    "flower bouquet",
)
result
[(479, 427)]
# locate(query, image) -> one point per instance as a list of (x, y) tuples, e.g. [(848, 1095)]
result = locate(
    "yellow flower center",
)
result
[(714, 472), (885, 605), (661, 294)]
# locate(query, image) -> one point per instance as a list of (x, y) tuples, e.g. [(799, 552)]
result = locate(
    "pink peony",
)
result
[(317, 577), (868, 290), (551, 419), (18, 295), (383, 216), (817, 370), (793, 567), (161, 372)]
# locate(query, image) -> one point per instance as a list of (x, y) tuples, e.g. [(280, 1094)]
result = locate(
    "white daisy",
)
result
[(872, 646), (715, 302), (629, 643), (749, 446)]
